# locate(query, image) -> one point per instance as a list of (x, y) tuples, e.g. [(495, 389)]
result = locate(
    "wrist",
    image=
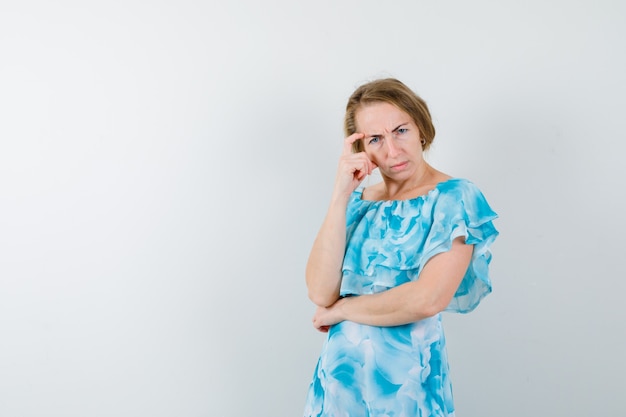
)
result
[(342, 313), (340, 198)]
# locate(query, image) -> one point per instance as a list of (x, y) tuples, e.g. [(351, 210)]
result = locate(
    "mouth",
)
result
[(399, 166)]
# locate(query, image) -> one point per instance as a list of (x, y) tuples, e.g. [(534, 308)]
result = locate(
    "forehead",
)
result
[(380, 116)]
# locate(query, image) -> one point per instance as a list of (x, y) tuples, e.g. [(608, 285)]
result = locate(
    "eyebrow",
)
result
[(369, 135)]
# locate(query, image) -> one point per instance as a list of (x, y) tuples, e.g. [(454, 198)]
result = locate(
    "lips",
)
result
[(399, 166)]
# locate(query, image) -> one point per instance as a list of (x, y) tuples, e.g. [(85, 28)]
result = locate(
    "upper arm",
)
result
[(441, 276)]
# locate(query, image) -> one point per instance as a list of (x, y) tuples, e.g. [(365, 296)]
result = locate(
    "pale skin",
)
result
[(392, 143)]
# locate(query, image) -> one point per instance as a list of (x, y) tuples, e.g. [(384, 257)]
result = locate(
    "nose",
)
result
[(392, 148)]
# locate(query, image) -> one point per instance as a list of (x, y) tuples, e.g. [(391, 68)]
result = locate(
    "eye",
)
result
[(373, 140), (402, 130)]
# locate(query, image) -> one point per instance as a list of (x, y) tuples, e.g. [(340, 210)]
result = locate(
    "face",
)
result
[(392, 140)]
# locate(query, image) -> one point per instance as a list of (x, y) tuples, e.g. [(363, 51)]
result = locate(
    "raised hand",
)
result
[(353, 167)]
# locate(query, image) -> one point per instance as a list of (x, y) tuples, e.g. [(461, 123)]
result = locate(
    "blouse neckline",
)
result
[(424, 196)]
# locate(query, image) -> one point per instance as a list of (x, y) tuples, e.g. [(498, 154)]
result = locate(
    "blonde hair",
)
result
[(392, 91)]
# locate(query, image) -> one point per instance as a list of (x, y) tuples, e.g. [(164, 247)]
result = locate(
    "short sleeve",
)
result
[(461, 210)]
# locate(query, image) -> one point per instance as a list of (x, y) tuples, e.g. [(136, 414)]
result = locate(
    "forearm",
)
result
[(394, 307), (409, 302), (323, 270)]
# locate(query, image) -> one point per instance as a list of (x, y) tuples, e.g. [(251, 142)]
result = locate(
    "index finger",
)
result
[(347, 143)]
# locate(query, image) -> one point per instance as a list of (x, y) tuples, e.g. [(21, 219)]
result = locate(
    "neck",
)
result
[(398, 190)]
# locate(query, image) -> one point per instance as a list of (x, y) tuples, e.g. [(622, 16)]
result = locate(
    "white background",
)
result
[(165, 165)]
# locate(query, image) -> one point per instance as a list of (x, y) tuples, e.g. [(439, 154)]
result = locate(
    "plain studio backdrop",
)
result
[(165, 166)]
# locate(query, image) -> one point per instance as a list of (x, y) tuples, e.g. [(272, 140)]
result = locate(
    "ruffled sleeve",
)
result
[(462, 210)]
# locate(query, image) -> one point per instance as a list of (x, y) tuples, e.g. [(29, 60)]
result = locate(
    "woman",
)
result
[(388, 259)]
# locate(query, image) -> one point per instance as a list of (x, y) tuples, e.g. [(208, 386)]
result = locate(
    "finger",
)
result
[(323, 329), (369, 165), (358, 162), (366, 169), (362, 171), (347, 143)]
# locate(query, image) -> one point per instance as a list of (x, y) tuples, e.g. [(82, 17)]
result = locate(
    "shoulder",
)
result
[(374, 192), (464, 194), (457, 186)]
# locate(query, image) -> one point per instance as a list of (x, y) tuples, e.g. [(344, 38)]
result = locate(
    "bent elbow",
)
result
[(428, 308), (322, 300)]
